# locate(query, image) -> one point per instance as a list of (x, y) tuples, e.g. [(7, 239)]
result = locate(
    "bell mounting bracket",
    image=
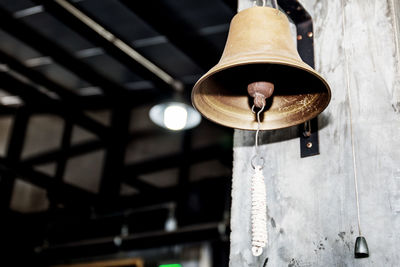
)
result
[(308, 132)]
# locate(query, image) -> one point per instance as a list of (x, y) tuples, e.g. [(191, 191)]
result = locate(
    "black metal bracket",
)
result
[(308, 132)]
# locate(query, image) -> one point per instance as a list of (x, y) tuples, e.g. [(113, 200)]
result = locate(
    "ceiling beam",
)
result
[(65, 191), (136, 241), (169, 23), (142, 186), (35, 98), (56, 154), (174, 160), (14, 150), (83, 148), (184, 166), (135, 97), (73, 17), (37, 77), (114, 157), (65, 146), (48, 47), (88, 147)]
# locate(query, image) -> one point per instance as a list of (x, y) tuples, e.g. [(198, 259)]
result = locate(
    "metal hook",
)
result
[(256, 137), (258, 122), (254, 164)]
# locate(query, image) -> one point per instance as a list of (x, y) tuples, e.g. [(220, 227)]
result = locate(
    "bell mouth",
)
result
[(300, 94)]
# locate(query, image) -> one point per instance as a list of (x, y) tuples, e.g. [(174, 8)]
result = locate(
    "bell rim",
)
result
[(220, 67), (262, 126)]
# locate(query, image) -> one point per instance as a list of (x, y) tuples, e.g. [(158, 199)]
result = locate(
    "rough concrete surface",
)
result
[(311, 202)]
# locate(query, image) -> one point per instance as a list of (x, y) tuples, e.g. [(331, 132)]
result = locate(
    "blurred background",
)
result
[(103, 160)]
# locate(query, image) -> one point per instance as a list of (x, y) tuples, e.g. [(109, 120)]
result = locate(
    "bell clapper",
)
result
[(258, 195), (260, 91)]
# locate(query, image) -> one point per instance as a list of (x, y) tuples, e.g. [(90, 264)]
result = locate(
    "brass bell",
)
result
[(260, 60)]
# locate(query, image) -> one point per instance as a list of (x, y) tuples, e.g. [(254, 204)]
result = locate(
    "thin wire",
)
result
[(256, 137), (351, 120), (258, 123), (396, 31)]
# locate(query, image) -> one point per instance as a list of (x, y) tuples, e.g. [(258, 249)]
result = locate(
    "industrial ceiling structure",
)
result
[(95, 68)]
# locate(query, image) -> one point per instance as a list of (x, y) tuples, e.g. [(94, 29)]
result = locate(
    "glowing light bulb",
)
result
[(171, 224), (175, 117)]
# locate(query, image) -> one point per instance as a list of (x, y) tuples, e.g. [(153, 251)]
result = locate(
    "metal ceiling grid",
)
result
[(60, 65)]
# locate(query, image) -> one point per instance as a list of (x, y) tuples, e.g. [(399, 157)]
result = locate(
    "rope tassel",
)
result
[(258, 212)]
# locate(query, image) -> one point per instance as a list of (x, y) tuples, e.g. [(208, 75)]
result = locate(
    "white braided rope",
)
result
[(258, 212)]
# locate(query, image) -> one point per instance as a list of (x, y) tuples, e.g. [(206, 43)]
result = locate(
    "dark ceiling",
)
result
[(183, 38), (72, 59)]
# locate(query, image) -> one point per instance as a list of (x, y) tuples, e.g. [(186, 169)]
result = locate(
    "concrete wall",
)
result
[(311, 201)]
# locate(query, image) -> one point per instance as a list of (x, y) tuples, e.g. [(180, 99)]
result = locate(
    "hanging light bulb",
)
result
[(175, 116), (171, 224)]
